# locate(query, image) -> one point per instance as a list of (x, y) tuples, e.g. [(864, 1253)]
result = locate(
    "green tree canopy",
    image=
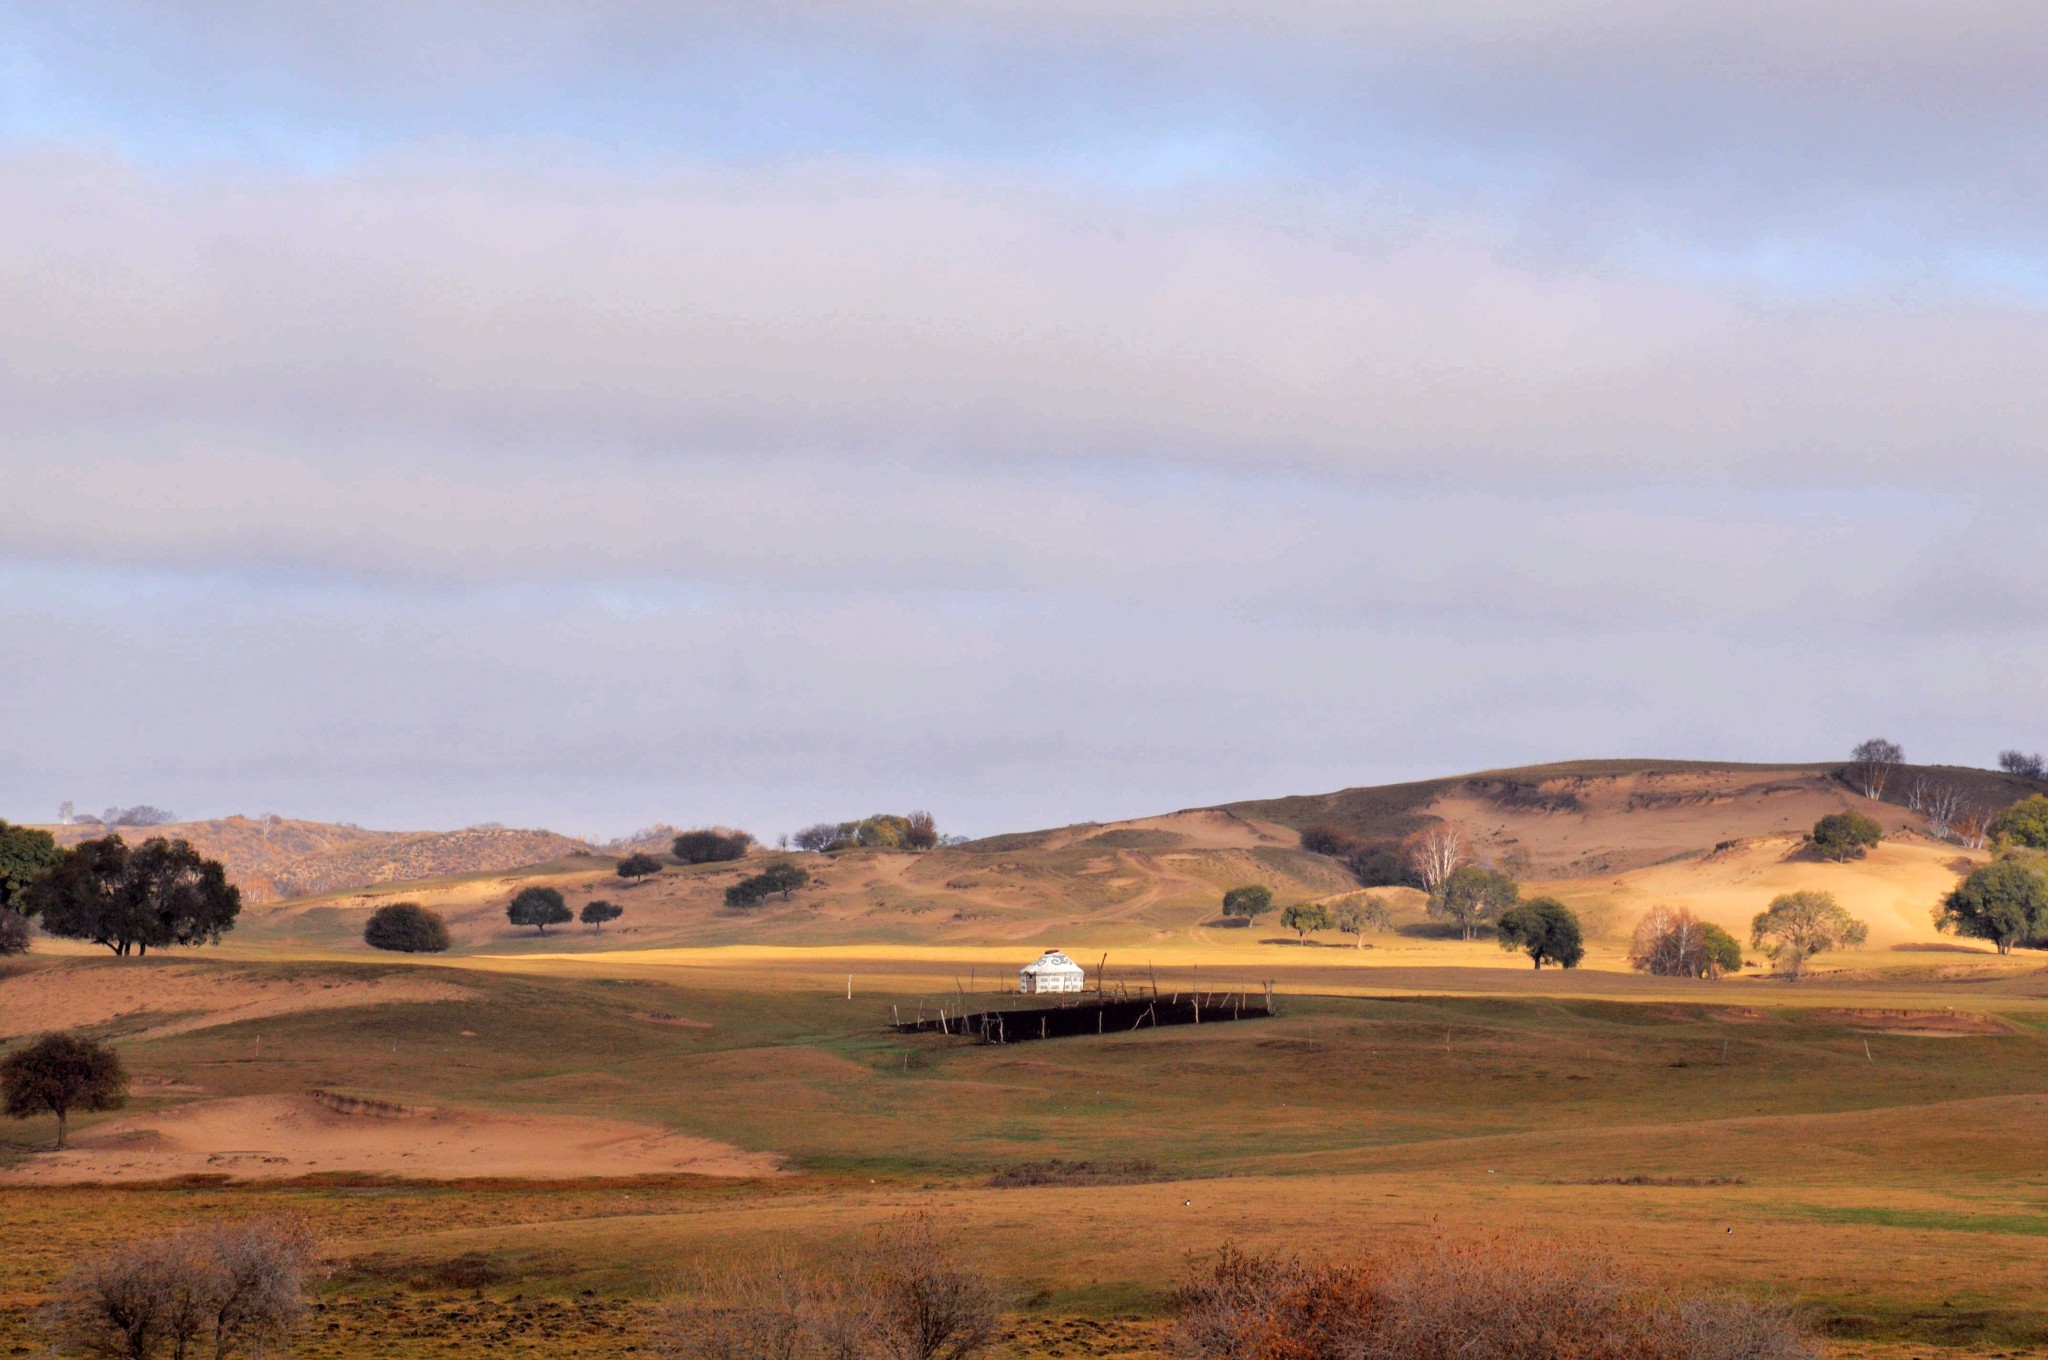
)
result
[(1249, 902), (597, 912), (638, 866), (2024, 823), (784, 877), (163, 893), (538, 907), (1843, 836), (406, 928), (59, 1073), (24, 853), (1546, 930), (1303, 918), (1473, 898), (748, 892), (2005, 902), (1354, 915), (1798, 925)]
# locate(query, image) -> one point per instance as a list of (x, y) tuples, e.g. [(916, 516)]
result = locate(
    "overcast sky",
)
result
[(421, 413)]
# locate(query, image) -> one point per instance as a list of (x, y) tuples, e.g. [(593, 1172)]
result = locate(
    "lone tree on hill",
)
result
[(1843, 836), (162, 894), (1303, 918), (538, 907), (2024, 823), (596, 913), (1872, 765), (1473, 898), (1248, 903), (59, 1073), (2005, 902), (1672, 942), (1546, 930), (406, 928), (1434, 853), (25, 853), (638, 866), (783, 877), (1798, 925), (705, 846)]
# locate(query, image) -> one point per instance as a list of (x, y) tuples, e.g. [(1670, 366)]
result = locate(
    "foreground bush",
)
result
[(217, 1291), (903, 1295), (407, 928), (1488, 1300)]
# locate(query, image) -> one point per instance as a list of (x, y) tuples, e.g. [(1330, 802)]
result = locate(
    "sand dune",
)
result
[(281, 1136)]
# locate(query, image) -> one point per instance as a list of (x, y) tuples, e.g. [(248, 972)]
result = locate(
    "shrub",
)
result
[(1324, 839), (1378, 865), (1844, 836), (596, 913), (59, 1073), (711, 847), (406, 927), (1249, 902), (17, 936), (218, 1291), (538, 907), (638, 866), (748, 892), (1497, 1299), (1546, 930)]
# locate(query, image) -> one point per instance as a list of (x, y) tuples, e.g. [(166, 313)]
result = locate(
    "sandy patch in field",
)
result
[(277, 1137), (200, 996)]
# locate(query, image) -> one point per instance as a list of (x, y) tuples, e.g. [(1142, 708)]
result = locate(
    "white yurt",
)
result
[(1054, 972)]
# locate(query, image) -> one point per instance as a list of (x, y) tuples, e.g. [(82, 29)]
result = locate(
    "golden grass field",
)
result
[(580, 1118)]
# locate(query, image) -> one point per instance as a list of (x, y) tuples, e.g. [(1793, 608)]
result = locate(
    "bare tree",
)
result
[(1436, 852), (224, 1290), (925, 1307), (1942, 802), (1872, 765), (2022, 764), (1972, 826)]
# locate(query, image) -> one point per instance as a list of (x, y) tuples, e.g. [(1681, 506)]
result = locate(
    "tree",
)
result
[(1249, 902), (817, 836), (163, 893), (638, 866), (1434, 853), (406, 928), (59, 1073), (1798, 925), (1672, 942), (2022, 764), (783, 877), (1941, 801), (1473, 897), (2005, 902), (1843, 836), (1354, 915), (25, 853), (1304, 917), (748, 892), (538, 907), (1872, 764), (1378, 864), (922, 832), (596, 913), (704, 846), (219, 1291), (1546, 930), (2024, 823), (17, 935), (883, 831)]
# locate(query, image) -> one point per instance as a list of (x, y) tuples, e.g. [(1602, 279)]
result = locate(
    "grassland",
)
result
[(1817, 1140)]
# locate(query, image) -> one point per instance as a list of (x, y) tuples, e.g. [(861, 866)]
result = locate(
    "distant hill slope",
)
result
[(274, 858)]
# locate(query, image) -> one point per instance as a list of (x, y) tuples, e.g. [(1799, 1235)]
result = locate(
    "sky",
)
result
[(437, 413)]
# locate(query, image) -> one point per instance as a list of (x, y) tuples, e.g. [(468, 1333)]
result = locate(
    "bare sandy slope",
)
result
[(281, 1136), (1895, 890), (190, 996)]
